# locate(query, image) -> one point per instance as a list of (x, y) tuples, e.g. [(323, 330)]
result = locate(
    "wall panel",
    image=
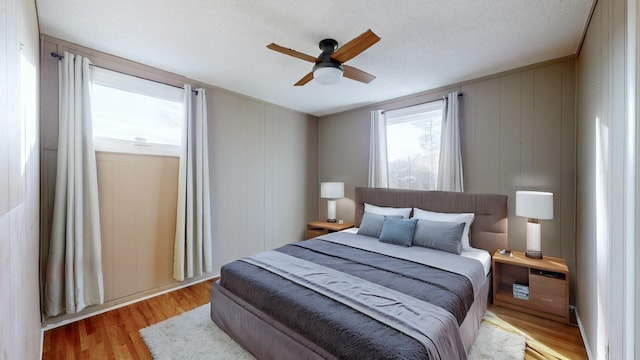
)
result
[(566, 211), (547, 146), (227, 172), (19, 181), (253, 179), (588, 110), (485, 166), (511, 109), (607, 171), (510, 129)]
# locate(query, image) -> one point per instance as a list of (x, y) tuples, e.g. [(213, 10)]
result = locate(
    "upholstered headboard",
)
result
[(488, 231)]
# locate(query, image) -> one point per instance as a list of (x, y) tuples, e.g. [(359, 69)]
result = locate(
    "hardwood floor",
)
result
[(114, 334), (546, 339)]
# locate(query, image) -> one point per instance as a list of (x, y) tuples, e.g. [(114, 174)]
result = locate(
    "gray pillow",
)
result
[(371, 224), (439, 235), (398, 231)]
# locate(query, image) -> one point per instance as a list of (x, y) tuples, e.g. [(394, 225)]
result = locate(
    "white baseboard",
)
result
[(41, 343), (584, 337), (99, 309)]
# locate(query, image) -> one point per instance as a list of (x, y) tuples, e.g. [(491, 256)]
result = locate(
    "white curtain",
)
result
[(192, 250), (378, 168), (74, 265), (450, 167)]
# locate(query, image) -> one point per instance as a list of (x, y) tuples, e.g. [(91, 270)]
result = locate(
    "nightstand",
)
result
[(317, 228), (546, 281)]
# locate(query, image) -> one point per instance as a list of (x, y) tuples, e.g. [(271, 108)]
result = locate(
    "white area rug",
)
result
[(193, 335), (497, 344)]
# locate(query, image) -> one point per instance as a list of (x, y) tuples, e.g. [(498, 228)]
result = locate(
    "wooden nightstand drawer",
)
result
[(547, 294)]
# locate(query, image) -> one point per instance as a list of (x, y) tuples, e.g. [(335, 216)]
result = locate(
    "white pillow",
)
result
[(467, 218), (404, 212)]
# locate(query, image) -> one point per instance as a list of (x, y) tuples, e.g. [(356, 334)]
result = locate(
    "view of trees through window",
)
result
[(413, 147)]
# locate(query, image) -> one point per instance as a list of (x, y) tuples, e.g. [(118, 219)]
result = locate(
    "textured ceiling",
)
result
[(425, 43)]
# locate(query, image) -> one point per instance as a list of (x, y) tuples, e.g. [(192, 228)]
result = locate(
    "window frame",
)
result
[(408, 115)]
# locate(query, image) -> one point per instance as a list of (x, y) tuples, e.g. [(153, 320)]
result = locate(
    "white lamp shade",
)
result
[(327, 75), (331, 190), (534, 204)]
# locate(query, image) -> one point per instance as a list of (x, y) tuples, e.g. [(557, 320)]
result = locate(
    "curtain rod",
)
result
[(426, 102), (60, 57)]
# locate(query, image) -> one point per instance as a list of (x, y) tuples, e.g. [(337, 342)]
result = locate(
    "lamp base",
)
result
[(534, 254), (331, 211)]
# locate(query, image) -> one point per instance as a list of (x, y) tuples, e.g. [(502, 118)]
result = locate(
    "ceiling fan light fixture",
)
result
[(327, 75), (328, 68)]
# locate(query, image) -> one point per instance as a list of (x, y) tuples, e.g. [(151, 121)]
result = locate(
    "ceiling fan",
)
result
[(329, 65)]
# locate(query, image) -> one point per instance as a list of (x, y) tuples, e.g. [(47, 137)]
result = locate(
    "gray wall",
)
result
[(19, 181), (605, 248), (518, 132), (264, 175)]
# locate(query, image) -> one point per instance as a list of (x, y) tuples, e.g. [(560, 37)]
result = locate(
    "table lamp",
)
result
[(331, 191), (534, 205)]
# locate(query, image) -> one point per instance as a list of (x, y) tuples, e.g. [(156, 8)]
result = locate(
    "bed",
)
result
[(269, 305)]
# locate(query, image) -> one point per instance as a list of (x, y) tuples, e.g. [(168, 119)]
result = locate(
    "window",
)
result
[(413, 145), (134, 115)]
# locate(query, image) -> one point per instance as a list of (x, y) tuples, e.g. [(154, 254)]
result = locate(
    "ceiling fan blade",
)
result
[(354, 47), (292, 52), (305, 79), (357, 74)]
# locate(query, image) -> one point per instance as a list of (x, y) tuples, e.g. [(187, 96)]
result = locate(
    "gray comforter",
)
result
[(340, 329)]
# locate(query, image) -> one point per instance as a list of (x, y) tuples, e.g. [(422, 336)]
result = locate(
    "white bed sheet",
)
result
[(481, 255)]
